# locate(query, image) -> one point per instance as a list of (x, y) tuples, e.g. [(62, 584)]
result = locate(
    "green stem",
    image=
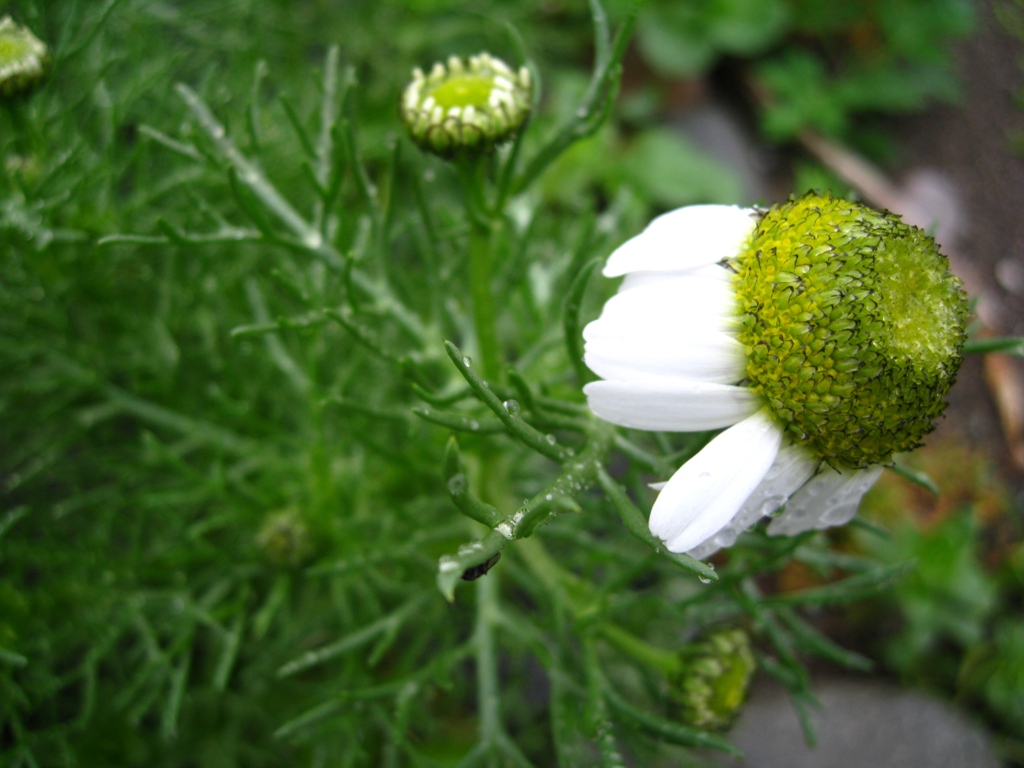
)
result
[(658, 658), (24, 138), (483, 300), (554, 578), (483, 224), (486, 661), (577, 597)]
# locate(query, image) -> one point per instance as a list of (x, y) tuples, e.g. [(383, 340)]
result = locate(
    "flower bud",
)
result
[(284, 539), (466, 107), (711, 689), (23, 59)]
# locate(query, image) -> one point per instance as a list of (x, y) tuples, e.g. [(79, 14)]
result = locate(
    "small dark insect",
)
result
[(474, 573)]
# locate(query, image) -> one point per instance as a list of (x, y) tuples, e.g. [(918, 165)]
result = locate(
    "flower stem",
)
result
[(488, 702), (657, 658), (578, 598), (483, 300)]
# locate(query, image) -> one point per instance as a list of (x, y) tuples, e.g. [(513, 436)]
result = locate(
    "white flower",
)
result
[(822, 334)]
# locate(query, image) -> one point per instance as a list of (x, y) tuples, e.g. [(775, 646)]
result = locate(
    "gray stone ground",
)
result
[(862, 723)]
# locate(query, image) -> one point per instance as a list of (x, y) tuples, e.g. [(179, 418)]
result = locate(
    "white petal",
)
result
[(829, 499), (674, 300), (665, 404), (684, 238), (792, 467), (715, 271), (715, 358), (681, 326), (708, 490)]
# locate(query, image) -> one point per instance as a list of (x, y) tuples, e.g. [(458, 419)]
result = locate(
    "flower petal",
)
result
[(665, 404), (829, 499), (714, 271), (717, 358), (708, 490), (680, 326), (792, 467), (675, 300), (684, 238)]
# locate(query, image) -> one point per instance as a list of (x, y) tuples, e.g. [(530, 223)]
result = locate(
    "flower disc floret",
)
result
[(852, 327), (466, 106)]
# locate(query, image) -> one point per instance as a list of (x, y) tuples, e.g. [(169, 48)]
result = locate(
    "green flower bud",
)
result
[(466, 107), (852, 325), (711, 689), (23, 59), (284, 539)]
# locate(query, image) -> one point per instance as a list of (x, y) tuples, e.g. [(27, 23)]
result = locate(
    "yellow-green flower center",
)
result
[(852, 327), (462, 91)]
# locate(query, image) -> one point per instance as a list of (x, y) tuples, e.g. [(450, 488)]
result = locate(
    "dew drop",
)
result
[(704, 580), (550, 439), (474, 425), (512, 406), (466, 361), (457, 484)]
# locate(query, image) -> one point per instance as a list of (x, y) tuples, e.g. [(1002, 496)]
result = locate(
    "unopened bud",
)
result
[(23, 59), (466, 107)]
